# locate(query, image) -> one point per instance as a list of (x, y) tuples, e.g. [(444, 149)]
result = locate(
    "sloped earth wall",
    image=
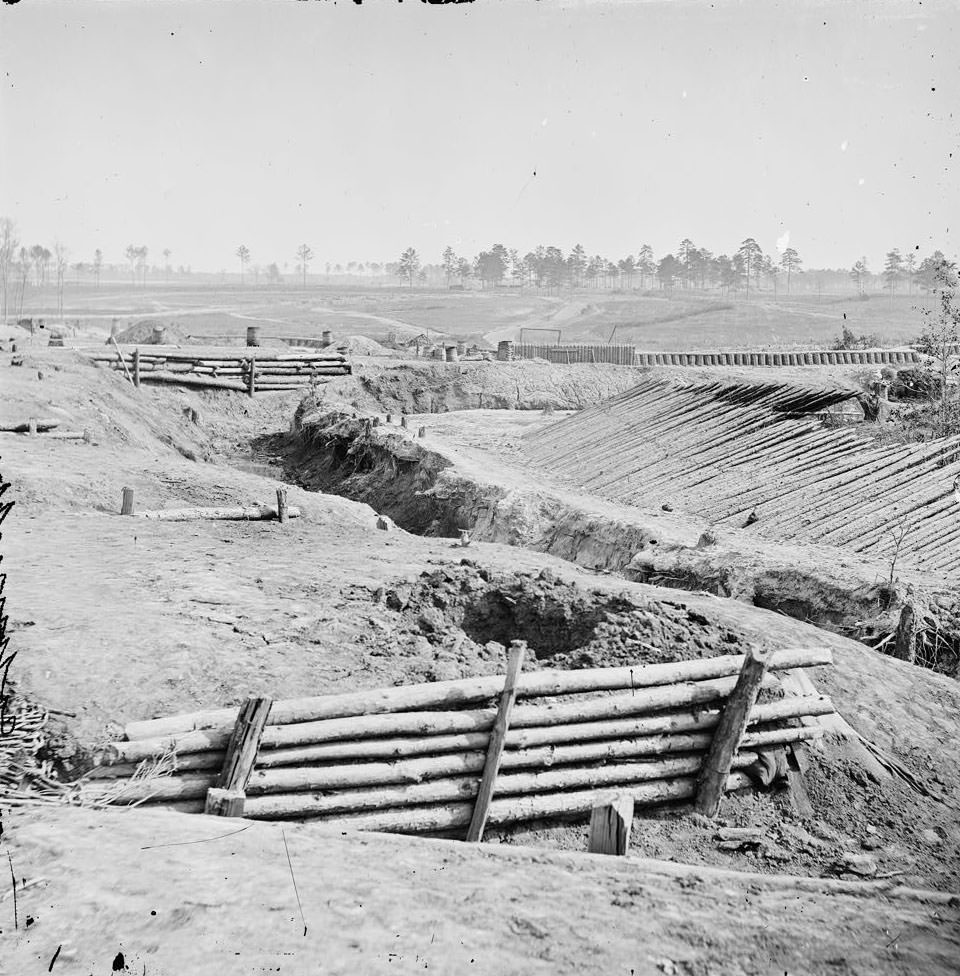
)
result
[(425, 493)]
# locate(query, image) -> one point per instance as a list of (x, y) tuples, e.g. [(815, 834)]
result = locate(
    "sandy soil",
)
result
[(176, 894), (116, 619)]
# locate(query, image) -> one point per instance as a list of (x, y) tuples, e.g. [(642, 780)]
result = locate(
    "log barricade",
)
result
[(227, 369), (414, 758), (820, 357), (625, 355)]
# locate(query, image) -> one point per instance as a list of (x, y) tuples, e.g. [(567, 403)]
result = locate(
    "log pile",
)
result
[(410, 759), (245, 371)]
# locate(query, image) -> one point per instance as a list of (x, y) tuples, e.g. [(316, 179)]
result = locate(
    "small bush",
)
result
[(850, 340)]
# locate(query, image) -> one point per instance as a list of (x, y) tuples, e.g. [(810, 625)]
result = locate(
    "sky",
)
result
[(362, 130)]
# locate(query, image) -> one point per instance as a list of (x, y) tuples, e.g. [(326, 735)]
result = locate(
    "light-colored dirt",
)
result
[(115, 619), (177, 894)]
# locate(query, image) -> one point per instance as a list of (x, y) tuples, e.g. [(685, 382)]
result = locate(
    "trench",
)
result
[(425, 494)]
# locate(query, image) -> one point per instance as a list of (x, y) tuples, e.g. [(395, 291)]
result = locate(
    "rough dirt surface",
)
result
[(119, 619), (178, 894)]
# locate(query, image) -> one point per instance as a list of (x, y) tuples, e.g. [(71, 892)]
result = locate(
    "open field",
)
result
[(650, 320)]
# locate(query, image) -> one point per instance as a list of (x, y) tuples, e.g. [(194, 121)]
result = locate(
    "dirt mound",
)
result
[(566, 626), (142, 332), (436, 387), (358, 345)]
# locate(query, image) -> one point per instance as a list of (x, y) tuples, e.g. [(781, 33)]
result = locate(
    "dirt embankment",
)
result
[(429, 490), (415, 386)]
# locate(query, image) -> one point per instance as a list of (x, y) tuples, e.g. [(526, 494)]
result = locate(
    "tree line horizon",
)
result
[(689, 267)]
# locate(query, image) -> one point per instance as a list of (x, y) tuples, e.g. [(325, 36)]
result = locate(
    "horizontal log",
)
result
[(260, 356), (437, 722), (283, 805), (23, 427), (432, 819), (236, 513), (793, 706), (185, 379), (293, 779), (465, 691), (449, 783)]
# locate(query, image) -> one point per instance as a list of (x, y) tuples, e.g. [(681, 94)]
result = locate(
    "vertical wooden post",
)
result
[(136, 367), (123, 362), (729, 732), (126, 506), (252, 387), (610, 824), (32, 425), (498, 737), (403, 422), (422, 432), (282, 504), (227, 797)]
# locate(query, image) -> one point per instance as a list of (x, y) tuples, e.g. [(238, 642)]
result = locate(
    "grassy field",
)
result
[(650, 320)]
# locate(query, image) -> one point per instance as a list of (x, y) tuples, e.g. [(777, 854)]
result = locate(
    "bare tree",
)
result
[(23, 269), (243, 252), (141, 255), (790, 262), (752, 255), (306, 256), (97, 264), (60, 266), (166, 265), (941, 339), (131, 255), (409, 265), (8, 256)]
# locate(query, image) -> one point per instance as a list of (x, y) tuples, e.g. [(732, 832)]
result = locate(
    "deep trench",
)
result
[(341, 454)]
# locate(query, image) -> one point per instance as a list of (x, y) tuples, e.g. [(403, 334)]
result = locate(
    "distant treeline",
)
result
[(690, 268)]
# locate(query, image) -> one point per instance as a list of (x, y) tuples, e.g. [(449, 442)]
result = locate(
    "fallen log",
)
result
[(464, 691), (659, 726), (238, 513)]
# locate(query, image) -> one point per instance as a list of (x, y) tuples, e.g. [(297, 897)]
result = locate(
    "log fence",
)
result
[(445, 757), (245, 372), (624, 355)]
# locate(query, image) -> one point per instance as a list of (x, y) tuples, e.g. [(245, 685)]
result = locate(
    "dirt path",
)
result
[(175, 896)]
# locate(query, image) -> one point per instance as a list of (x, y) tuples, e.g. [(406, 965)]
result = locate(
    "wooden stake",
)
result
[(498, 738), (252, 388), (610, 824), (32, 425), (799, 797), (126, 506), (123, 362), (228, 795), (282, 504), (729, 733), (136, 368), (403, 422), (224, 803)]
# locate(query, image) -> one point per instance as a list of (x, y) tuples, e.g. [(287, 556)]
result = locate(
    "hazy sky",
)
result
[(361, 130)]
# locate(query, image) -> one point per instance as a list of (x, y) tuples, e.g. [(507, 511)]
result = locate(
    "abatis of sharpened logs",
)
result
[(725, 450)]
